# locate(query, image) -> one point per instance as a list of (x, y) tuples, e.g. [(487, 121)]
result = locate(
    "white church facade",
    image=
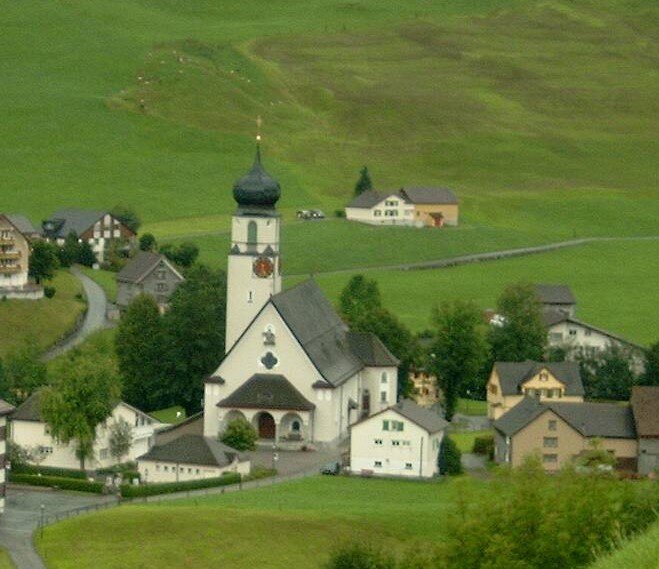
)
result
[(292, 369)]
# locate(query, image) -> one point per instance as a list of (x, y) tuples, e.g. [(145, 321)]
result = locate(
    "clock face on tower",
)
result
[(262, 267)]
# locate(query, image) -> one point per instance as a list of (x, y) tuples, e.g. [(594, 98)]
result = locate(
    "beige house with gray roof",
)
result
[(510, 382), (14, 260), (5, 410)]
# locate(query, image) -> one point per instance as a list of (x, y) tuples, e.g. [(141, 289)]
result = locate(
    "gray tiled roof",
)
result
[(269, 391), (319, 330), (367, 199), (370, 350), (425, 418), (30, 409), (606, 420), (22, 223), (193, 449), (555, 294), (76, 220), (428, 196), (645, 405), (513, 374), (141, 266), (5, 408)]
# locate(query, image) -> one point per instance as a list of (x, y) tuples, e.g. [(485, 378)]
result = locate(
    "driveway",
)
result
[(95, 318), (23, 514), (293, 462)]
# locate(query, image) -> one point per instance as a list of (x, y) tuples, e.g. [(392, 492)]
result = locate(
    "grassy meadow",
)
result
[(639, 553), (106, 279), (47, 320), (5, 560)]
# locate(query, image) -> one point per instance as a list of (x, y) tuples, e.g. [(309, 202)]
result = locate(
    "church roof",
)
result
[(269, 391), (319, 330), (193, 449), (370, 350), (257, 191)]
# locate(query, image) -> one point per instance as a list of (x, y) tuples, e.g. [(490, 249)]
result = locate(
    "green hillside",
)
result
[(152, 103)]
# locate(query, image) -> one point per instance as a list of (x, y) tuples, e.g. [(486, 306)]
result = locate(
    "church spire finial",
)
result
[(257, 159)]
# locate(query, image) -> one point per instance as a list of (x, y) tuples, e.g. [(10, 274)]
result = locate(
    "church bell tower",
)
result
[(254, 269)]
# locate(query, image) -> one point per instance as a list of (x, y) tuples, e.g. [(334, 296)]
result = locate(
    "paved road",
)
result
[(22, 516), (95, 318)]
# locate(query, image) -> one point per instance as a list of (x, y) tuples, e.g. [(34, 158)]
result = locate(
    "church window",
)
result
[(250, 296), (383, 396), (383, 377), (251, 236), (269, 360), (295, 426)]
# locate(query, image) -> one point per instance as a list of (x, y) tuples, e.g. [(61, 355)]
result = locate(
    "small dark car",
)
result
[(332, 469)]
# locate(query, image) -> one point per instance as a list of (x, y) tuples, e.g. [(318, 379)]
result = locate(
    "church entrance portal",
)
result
[(266, 426)]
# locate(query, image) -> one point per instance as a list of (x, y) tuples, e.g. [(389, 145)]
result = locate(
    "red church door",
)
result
[(266, 426)]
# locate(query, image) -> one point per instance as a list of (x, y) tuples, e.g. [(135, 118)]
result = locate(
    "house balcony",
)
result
[(9, 269), (6, 239), (10, 254)]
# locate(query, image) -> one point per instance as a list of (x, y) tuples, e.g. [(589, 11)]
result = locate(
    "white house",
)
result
[(293, 369), (190, 457), (401, 440), (30, 432), (5, 409)]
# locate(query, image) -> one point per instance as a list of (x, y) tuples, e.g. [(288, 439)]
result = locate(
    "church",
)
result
[(292, 368)]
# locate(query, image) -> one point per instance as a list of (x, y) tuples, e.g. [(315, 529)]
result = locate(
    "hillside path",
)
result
[(95, 317)]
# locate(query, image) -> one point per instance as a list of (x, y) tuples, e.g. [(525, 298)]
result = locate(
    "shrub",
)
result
[(240, 435), (360, 556), (128, 491), (259, 472), (57, 482), (484, 445), (49, 291), (449, 459), (49, 471), (339, 213)]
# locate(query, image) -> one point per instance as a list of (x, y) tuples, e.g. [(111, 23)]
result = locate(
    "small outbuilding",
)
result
[(401, 440)]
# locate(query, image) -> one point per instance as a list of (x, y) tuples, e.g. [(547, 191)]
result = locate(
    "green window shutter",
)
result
[(385, 425)]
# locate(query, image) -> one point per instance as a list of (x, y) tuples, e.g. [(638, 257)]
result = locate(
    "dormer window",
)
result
[(544, 376)]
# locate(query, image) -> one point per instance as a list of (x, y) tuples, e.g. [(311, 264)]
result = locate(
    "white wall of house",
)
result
[(36, 435), (380, 448), (390, 211), (161, 471)]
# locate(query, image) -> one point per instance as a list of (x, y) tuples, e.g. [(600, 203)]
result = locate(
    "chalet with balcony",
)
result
[(14, 259)]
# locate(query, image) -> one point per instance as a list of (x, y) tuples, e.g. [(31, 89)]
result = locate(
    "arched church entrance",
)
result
[(266, 426)]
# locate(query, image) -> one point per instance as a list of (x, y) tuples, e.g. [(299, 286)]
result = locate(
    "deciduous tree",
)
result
[(147, 242), (651, 374), (23, 372), (121, 439), (43, 261), (128, 216)]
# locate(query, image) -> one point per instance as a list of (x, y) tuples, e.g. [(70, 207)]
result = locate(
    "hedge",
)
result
[(57, 482), (129, 491), (49, 471), (484, 445)]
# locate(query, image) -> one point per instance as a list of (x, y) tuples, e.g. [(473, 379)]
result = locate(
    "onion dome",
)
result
[(257, 190)]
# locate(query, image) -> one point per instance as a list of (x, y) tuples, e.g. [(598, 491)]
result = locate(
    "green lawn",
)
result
[(106, 279), (169, 415), (465, 439), (639, 553), (614, 282), (46, 320), (5, 560), (288, 525), (471, 407)]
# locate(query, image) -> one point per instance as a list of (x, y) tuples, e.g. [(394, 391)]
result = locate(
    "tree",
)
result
[(458, 350), (360, 296), (121, 439), (23, 372), (651, 374), (449, 458), (140, 351), (240, 435), (522, 335), (193, 335), (596, 457), (43, 261), (69, 252), (127, 216), (148, 242), (364, 182), (607, 374), (83, 394), (86, 255), (184, 255)]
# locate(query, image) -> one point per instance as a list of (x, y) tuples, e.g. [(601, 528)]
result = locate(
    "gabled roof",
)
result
[(425, 418), (193, 449), (428, 196), (142, 265), (319, 330), (513, 374), (269, 391), (22, 223), (370, 350), (607, 420), (368, 199), (645, 406), (5, 408), (555, 294), (74, 220)]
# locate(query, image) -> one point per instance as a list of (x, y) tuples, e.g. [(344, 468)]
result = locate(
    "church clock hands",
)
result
[(263, 267)]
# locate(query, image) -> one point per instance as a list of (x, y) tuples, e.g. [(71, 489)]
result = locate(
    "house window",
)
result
[(103, 454), (408, 466), (160, 287), (549, 458), (161, 274), (189, 470), (383, 396), (572, 331), (551, 425), (397, 425), (405, 443), (588, 332), (395, 443), (544, 376), (556, 337), (493, 389), (383, 377), (377, 464), (45, 450), (550, 442), (378, 442), (157, 468), (165, 468), (197, 471), (385, 425), (377, 213)]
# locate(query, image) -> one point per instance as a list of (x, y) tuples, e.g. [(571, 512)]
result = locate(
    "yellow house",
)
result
[(510, 382), (433, 207), (558, 432)]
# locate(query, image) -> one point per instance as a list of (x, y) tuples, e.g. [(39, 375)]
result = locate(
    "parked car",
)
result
[(310, 214), (332, 468)]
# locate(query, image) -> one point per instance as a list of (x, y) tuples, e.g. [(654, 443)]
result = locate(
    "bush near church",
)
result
[(240, 435)]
